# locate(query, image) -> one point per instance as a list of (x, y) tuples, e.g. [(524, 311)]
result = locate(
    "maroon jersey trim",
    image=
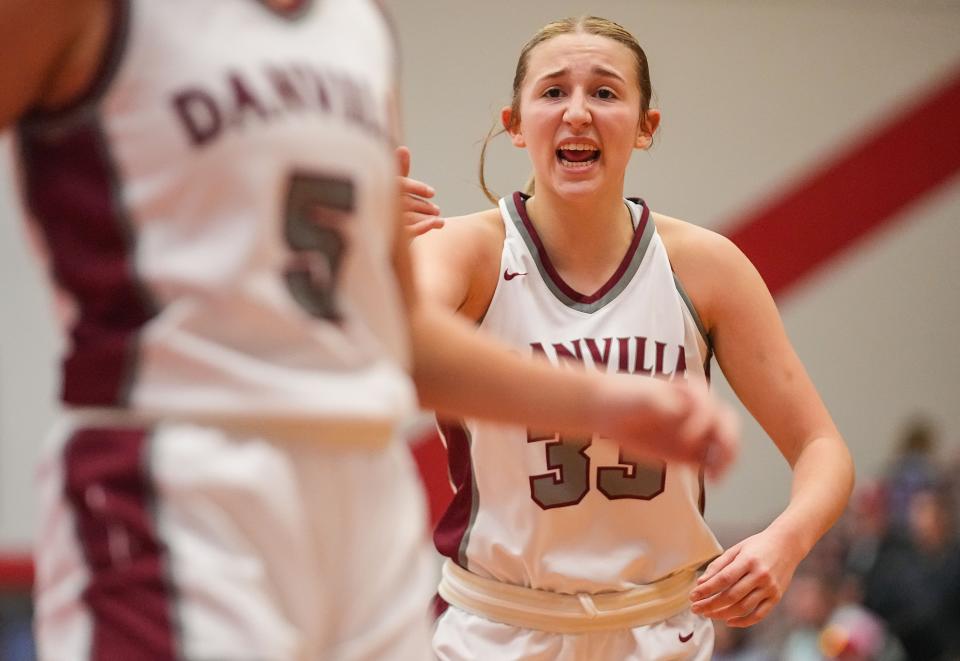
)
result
[(520, 199), (72, 189), (452, 533)]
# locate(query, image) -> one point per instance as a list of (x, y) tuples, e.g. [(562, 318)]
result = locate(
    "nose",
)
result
[(577, 114)]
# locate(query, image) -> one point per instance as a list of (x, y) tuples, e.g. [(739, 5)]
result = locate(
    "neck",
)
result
[(585, 236)]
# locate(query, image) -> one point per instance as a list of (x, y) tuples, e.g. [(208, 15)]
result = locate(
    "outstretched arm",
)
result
[(460, 372), (752, 348)]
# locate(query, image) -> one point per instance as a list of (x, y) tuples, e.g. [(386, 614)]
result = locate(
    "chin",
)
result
[(568, 187)]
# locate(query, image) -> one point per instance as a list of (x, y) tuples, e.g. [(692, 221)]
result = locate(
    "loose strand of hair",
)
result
[(491, 134)]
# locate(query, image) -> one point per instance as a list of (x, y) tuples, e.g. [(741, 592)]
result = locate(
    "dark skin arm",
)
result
[(50, 50)]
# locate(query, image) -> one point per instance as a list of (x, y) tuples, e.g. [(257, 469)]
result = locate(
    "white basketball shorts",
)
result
[(186, 541), (463, 636)]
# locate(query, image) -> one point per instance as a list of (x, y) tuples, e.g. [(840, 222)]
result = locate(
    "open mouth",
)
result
[(576, 155)]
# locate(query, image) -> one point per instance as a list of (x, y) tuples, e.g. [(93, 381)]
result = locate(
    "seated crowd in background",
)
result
[(884, 584)]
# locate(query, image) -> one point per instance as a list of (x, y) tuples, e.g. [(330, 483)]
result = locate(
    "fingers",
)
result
[(420, 215), (403, 160), (746, 603), (414, 198), (414, 204), (697, 421), (722, 451), (413, 187), (719, 563), (709, 430), (704, 593), (750, 619), (674, 420), (742, 593), (733, 597), (738, 601), (422, 226)]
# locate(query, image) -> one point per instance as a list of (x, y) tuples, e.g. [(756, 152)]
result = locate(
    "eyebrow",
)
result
[(597, 70)]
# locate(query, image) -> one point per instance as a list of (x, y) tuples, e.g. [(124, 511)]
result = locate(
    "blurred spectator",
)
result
[(867, 528), (16, 639), (915, 582), (825, 620), (913, 469), (807, 606), (736, 644), (853, 633), (951, 480)]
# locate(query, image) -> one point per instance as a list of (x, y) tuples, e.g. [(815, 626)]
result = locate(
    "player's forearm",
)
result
[(822, 482), (459, 372)]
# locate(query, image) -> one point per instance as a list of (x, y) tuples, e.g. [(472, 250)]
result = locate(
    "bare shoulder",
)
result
[(686, 241), (486, 225), (709, 265), (473, 237), (457, 265)]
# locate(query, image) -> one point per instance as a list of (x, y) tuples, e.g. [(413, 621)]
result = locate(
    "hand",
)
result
[(418, 213), (744, 584), (677, 421)]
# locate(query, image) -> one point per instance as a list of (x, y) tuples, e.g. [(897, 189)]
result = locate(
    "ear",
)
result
[(512, 126), (646, 129)]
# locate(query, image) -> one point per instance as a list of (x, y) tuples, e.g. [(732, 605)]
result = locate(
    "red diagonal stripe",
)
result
[(16, 573), (856, 192)]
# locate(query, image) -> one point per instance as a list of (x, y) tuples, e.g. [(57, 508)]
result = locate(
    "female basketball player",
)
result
[(566, 547), (228, 481)]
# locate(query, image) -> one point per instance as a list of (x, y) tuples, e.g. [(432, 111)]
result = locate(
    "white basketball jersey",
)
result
[(220, 209), (577, 514)]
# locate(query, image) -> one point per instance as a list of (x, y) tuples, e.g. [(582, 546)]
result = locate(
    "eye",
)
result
[(553, 92), (605, 93)]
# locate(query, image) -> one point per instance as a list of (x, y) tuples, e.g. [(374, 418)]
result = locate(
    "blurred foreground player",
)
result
[(215, 182)]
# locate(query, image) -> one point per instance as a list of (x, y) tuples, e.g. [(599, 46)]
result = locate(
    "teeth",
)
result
[(576, 164), (578, 147)]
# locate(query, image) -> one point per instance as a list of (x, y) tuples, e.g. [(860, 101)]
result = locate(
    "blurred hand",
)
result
[(677, 421), (745, 582), (418, 214)]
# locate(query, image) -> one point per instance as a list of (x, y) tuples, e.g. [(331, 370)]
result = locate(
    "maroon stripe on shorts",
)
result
[(129, 597), (450, 533), (438, 606)]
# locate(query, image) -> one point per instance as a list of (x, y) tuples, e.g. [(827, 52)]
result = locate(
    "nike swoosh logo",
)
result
[(510, 276), (683, 638)]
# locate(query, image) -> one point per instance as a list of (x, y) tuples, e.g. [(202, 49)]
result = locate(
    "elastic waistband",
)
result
[(343, 433), (565, 613)]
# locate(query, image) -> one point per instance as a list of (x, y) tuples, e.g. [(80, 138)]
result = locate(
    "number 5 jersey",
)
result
[(574, 515), (219, 207)]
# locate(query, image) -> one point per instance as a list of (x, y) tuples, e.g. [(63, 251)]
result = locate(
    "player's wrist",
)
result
[(622, 405), (594, 402)]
